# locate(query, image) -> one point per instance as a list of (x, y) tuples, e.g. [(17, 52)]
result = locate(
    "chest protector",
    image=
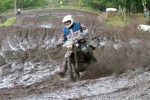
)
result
[(75, 27)]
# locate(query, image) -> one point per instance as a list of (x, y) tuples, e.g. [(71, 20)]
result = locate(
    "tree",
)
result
[(5, 4), (131, 6), (15, 5)]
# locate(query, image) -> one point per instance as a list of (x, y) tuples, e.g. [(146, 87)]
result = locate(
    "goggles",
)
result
[(67, 22)]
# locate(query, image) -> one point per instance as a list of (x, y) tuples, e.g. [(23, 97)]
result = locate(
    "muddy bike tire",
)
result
[(72, 71)]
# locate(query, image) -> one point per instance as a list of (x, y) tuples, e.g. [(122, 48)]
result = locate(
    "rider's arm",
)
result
[(61, 39)]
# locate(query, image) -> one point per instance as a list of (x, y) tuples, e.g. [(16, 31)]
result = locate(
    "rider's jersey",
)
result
[(75, 27)]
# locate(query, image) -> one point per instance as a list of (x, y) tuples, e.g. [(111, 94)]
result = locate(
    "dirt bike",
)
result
[(77, 61)]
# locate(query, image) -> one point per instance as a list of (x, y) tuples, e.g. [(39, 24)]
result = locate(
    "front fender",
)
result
[(68, 54)]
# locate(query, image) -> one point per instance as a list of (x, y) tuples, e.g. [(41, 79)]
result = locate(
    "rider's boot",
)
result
[(63, 72)]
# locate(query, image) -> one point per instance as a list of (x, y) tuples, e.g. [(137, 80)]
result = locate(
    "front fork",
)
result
[(76, 60), (72, 62)]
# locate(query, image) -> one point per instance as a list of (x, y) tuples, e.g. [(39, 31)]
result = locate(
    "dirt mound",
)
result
[(117, 49)]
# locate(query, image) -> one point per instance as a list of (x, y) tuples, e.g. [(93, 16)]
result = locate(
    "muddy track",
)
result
[(29, 59)]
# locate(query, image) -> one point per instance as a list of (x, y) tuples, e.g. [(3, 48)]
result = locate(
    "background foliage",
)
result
[(132, 6)]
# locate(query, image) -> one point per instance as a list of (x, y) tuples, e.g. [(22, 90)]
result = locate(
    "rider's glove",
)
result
[(60, 41)]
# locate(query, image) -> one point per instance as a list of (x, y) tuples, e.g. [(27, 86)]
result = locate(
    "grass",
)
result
[(116, 20), (79, 8), (56, 7), (9, 21)]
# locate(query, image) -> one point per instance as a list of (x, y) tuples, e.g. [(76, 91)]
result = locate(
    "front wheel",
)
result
[(74, 75)]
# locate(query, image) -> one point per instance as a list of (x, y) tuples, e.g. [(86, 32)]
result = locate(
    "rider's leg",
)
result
[(88, 52), (62, 73)]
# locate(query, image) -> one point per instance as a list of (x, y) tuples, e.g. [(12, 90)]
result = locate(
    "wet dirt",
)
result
[(30, 60)]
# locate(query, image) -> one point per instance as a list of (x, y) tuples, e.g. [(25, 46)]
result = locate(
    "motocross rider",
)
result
[(18, 11), (71, 27)]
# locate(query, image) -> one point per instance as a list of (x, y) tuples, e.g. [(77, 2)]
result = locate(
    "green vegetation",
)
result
[(6, 5), (9, 21), (78, 8), (131, 6), (115, 20)]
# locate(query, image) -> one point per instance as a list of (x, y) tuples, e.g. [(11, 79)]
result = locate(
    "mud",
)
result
[(30, 60)]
